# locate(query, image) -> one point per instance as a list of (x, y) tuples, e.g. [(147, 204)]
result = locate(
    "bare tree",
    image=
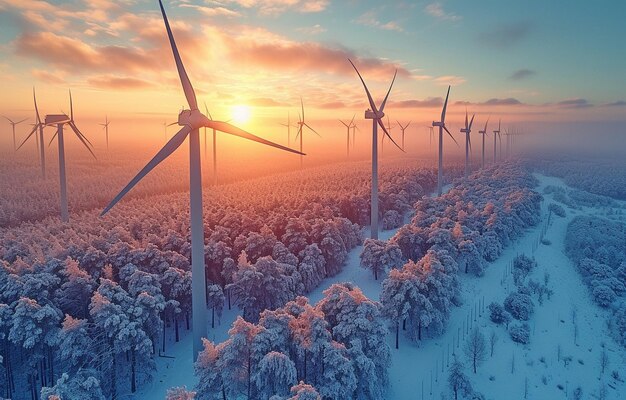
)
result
[(476, 348), (604, 360), (458, 381), (493, 339)]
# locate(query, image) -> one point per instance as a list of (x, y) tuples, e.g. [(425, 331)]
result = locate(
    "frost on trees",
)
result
[(380, 256)]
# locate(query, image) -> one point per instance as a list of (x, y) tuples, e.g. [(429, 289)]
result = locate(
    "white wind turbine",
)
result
[(60, 120), (288, 125), (105, 126), (376, 115), (191, 121), (442, 126), (38, 132), (301, 124), (403, 128), (483, 133), (348, 134), (496, 136), (13, 125), (468, 141)]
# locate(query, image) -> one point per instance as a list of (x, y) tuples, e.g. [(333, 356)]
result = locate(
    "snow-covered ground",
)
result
[(421, 372)]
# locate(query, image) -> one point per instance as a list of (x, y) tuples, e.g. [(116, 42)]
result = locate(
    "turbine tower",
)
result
[(376, 115), (191, 121), (13, 125), (348, 134), (468, 141), (38, 129), (403, 128), (288, 125), (60, 120), (496, 136), (483, 133), (354, 129), (301, 124), (105, 126), (442, 126), (430, 139)]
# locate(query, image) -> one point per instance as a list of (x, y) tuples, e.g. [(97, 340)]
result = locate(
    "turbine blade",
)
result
[(302, 104), (369, 96), (71, 107), (466, 123), (446, 129), (172, 124), (8, 119), (299, 131), (53, 137), (382, 106), (28, 137), (352, 120), (19, 122), (184, 79), (469, 139), (388, 135), (471, 122), (445, 105), (83, 139), (165, 152), (344, 124), (233, 130), (307, 125), (36, 109)]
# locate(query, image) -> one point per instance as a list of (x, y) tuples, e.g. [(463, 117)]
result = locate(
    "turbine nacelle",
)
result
[(193, 119), (57, 119), (465, 130), (369, 114), (439, 123)]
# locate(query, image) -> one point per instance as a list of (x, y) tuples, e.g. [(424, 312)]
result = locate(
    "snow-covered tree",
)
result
[(274, 375), (302, 391), (498, 314), (82, 385), (379, 256), (520, 332), (457, 380), (180, 393), (519, 305)]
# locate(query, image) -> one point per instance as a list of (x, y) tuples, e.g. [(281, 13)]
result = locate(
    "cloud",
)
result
[(312, 30), (619, 103), (277, 7), (426, 103), (506, 36), (55, 77), (502, 102), (265, 102), (116, 82), (369, 19), (451, 80), (333, 105), (521, 74), (213, 11), (574, 103), (436, 10)]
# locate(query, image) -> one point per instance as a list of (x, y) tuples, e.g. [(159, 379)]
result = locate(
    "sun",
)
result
[(241, 113)]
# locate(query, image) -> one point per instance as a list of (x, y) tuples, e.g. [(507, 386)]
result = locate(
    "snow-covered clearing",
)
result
[(550, 367)]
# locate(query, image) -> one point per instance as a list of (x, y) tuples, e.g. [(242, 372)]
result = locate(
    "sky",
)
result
[(252, 60)]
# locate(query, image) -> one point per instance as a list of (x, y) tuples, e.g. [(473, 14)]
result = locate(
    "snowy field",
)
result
[(552, 366)]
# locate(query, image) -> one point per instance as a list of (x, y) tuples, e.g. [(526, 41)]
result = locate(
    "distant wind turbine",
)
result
[(430, 139), (483, 133), (214, 146), (105, 126), (288, 125), (60, 120), (382, 140), (301, 124), (13, 125), (496, 136), (191, 121), (468, 141), (38, 128), (403, 128), (376, 115), (348, 134), (442, 126), (354, 129)]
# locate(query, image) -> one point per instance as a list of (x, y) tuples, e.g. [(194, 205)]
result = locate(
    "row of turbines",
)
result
[(191, 120)]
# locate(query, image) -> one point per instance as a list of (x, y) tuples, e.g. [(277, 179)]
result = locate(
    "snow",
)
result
[(420, 372)]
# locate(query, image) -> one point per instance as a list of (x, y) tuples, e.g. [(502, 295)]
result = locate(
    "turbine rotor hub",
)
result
[(192, 118)]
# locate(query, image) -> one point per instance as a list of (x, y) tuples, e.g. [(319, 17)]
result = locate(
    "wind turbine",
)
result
[(442, 126), (13, 124), (288, 125), (191, 121), (430, 139), (301, 124), (382, 140), (214, 146), (496, 135), (376, 116), (354, 129), (403, 128), (105, 126), (483, 133), (468, 141), (60, 120), (38, 126), (348, 134)]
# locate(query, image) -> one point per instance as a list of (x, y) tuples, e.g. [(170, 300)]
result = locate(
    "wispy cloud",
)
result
[(277, 7), (521, 74), (312, 30), (436, 10), (369, 19), (574, 103), (430, 102), (618, 103), (213, 11), (451, 80), (505, 36)]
